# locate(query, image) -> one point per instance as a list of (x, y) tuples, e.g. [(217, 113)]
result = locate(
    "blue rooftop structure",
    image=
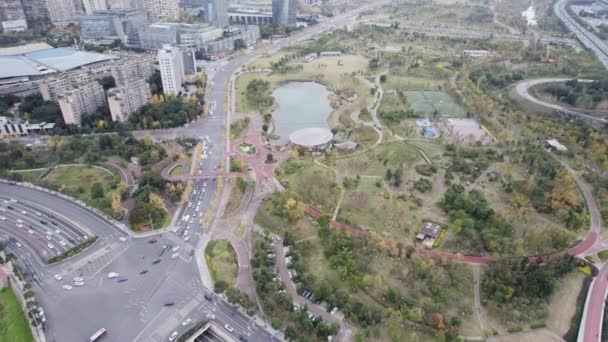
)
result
[(62, 59)]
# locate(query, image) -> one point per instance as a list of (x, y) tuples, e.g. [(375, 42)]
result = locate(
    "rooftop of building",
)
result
[(311, 137), (23, 49), (63, 59), (40, 59)]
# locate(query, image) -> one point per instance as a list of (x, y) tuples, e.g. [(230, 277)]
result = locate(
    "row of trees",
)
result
[(519, 291), (258, 95)]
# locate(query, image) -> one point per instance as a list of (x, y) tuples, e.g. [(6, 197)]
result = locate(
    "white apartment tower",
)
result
[(171, 69), (162, 10)]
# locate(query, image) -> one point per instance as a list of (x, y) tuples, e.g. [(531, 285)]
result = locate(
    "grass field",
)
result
[(176, 171), (221, 260), (375, 163), (30, 176), (563, 303), (13, 323), (426, 103), (372, 208), (80, 179), (402, 82), (313, 182)]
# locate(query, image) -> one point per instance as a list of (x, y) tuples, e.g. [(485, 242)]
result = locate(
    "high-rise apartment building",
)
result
[(12, 15), (86, 97), (127, 99), (284, 13), (133, 67), (161, 10), (121, 4), (63, 12), (216, 12), (171, 69), (91, 6), (132, 90), (53, 86)]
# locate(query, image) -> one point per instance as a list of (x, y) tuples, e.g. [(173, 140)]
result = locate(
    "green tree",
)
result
[(97, 190)]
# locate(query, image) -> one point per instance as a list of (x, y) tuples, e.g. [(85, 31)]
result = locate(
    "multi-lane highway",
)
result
[(523, 90), (588, 39)]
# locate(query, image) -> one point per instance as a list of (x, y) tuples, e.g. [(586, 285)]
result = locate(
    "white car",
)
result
[(18, 244), (173, 336), (78, 279), (67, 287), (50, 246), (19, 221), (175, 249), (63, 243), (210, 316), (48, 237), (13, 200), (122, 238), (79, 283), (112, 275), (186, 322), (57, 231), (2, 218), (23, 212), (38, 213), (228, 328), (174, 256), (187, 238), (57, 277), (30, 231)]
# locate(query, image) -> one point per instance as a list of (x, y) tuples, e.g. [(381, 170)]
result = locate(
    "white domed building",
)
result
[(312, 139)]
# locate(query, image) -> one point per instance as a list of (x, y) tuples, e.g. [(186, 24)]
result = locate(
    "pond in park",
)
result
[(300, 105)]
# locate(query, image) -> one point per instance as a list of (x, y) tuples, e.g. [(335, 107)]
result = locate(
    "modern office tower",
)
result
[(86, 97), (216, 12), (157, 35), (171, 69), (284, 13), (112, 24), (162, 10), (91, 6), (12, 16), (124, 100), (132, 68)]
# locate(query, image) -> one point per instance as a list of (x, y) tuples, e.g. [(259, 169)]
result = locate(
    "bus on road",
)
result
[(98, 335)]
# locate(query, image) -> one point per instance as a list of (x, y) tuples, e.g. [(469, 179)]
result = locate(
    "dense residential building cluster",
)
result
[(132, 90)]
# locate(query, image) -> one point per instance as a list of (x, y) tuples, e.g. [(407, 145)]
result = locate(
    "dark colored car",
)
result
[(155, 261), (169, 304), (208, 297), (152, 241), (143, 272)]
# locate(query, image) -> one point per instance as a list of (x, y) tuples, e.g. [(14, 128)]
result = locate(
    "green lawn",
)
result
[(426, 103), (376, 162), (13, 323), (30, 176), (238, 128), (176, 171), (222, 261), (314, 183), (79, 179)]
